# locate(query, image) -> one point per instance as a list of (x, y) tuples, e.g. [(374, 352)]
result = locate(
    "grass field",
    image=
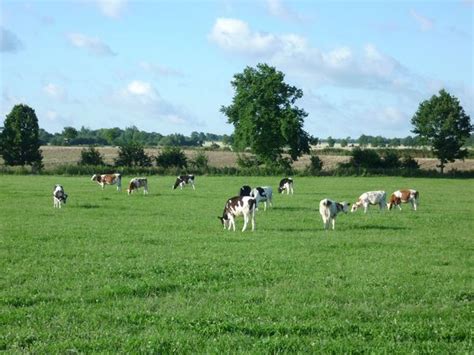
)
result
[(117, 273)]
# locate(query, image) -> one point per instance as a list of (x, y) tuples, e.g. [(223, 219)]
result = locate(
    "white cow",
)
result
[(236, 206), (136, 183), (59, 196), (370, 198), (262, 194), (329, 210)]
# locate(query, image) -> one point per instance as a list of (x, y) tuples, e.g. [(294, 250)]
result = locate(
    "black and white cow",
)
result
[(237, 206), (136, 183), (263, 194), (245, 190), (182, 180), (59, 196), (329, 209), (286, 184)]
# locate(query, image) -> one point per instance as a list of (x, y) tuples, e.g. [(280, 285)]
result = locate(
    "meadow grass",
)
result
[(115, 273)]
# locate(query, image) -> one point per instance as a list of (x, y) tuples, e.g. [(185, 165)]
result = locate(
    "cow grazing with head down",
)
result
[(262, 194), (108, 179), (136, 183), (370, 198), (245, 190), (286, 184), (59, 196), (329, 210), (404, 196), (237, 206), (182, 180)]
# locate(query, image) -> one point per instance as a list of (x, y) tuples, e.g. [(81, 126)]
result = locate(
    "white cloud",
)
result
[(425, 23), (112, 8), (92, 45), (9, 42), (54, 91), (278, 9)]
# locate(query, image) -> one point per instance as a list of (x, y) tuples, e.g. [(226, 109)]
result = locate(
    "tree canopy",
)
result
[(264, 114), (442, 123), (19, 140)]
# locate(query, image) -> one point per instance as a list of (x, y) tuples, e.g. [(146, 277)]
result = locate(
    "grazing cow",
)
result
[(286, 184), (405, 196), (329, 210), (245, 190), (236, 206), (262, 194), (59, 196), (370, 198), (108, 179), (182, 180), (136, 183)]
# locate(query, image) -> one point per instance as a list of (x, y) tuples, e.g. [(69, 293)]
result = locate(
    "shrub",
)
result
[(247, 161), (365, 158), (391, 160), (171, 157), (132, 154), (200, 161), (410, 163), (315, 167), (91, 156)]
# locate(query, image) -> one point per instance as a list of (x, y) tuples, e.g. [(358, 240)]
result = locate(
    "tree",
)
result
[(132, 154), (442, 123), (91, 156), (171, 156), (19, 140), (331, 141), (264, 115)]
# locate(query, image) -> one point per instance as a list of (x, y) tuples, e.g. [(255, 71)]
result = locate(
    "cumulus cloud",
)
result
[(9, 42), (92, 45), (112, 8), (55, 91), (424, 23)]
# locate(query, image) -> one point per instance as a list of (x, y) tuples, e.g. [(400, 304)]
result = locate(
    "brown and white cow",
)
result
[(182, 180), (136, 183), (237, 206), (404, 196), (370, 198), (329, 209), (59, 196), (286, 184), (108, 179)]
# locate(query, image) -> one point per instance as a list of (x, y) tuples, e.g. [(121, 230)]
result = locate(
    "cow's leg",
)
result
[(414, 203), (253, 220), (399, 205), (366, 205), (193, 186), (333, 223), (246, 219)]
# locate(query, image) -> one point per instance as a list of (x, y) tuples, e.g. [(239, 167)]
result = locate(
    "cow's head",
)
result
[(176, 183), (345, 206), (224, 220), (354, 207)]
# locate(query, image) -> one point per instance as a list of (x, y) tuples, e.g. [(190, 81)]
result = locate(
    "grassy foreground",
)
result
[(117, 273)]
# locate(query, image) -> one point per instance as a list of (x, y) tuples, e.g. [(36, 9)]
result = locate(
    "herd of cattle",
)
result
[(248, 200)]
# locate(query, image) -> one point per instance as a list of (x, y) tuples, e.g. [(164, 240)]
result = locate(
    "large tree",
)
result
[(19, 141), (442, 123), (264, 114)]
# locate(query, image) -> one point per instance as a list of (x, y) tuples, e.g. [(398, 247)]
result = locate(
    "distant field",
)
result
[(54, 156), (113, 273)]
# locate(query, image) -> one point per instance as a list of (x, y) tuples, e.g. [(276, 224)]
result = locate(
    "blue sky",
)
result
[(166, 66)]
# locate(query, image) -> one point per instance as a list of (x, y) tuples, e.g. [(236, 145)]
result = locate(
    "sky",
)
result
[(166, 66)]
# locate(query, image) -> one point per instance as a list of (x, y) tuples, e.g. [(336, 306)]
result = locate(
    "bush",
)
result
[(91, 156), (391, 160), (410, 163), (171, 157), (247, 161), (132, 154), (365, 158), (315, 167), (200, 161)]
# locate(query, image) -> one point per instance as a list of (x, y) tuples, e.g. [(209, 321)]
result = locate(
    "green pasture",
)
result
[(115, 273)]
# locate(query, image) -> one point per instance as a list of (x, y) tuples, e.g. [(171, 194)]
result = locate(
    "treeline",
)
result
[(118, 137)]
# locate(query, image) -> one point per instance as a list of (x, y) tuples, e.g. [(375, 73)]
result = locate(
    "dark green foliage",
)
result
[(200, 161), (391, 160), (315, 167), (331, 141), (19, 140), (247, 161), (365, 158), (441, 123), (171, 157), (409, 163), (132, 154), (265, 116), (91, 156)]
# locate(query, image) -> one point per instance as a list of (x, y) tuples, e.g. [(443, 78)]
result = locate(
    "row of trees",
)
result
[(266, 120), (375, 141)]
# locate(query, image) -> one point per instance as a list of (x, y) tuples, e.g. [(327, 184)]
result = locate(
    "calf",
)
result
[(236, 206), (136, 183), (182, 180), (59, 196), (108, 179), (405, 196), (262, 194), (245, 190), (370, 198), (286, 184), (330, 209)]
